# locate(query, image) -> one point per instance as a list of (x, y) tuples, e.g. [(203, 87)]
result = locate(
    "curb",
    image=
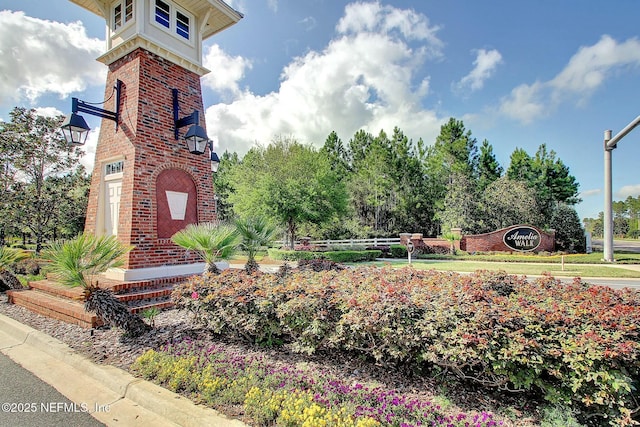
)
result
[(172, 407)]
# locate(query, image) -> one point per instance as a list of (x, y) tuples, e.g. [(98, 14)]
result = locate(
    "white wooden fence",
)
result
[(376, 241)]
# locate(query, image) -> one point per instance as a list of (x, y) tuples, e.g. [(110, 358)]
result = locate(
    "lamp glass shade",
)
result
[(215, 162), (196, 139), (75, 129)]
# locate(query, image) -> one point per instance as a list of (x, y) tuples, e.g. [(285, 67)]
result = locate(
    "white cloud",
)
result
[(273, 5), (239, 5), (525, 103), (585, 72), (40, 56), (628, 190), (365, 78), (589, 68), (484, 66), (379, 19), (309, 23), (48, 111), (89, 148), (590, 193), (227, 71)]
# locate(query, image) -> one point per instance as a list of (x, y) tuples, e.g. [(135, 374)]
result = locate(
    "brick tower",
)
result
[(146, 185)]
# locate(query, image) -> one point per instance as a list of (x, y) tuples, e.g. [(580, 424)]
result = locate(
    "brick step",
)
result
[(51, 287), (123, 287), (60, 308), (51, 299), (155, 293), (160, 305), (118, 286)]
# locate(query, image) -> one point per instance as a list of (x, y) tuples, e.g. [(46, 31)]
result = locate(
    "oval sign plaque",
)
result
[(522, 238)]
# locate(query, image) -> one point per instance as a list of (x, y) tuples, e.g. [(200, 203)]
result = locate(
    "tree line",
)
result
[(44, 187), (370, 186), (382, 185), (626, 219)]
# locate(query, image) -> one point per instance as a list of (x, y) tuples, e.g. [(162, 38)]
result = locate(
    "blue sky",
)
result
[(518, 73)]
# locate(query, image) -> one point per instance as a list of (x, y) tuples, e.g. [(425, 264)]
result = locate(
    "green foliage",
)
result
[(452, 237), (288, 182), (558, 416), (336, 256), (211, 241), (569, 232), (39, 177), (454, 152), (547, 176), (382, 185), (256, 233), (150, 314), (76, 262), (488, 167), (288, 255), (626, 219), (223, 185), (574, 343), (506, 202), (8, 258), (460, 204), (353, 256), (398, 251)]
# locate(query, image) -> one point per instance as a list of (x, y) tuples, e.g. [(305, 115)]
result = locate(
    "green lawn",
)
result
[(536, 268), (592, 258)]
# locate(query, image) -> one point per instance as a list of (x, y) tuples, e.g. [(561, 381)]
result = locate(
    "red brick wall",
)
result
[(494, 241), (178, 181), (145, 138), (430, 242)]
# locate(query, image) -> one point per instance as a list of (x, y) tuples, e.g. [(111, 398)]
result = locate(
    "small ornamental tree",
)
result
[(569, 232), (256, 233)]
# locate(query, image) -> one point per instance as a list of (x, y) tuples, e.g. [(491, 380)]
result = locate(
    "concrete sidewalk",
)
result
[(111, 395)]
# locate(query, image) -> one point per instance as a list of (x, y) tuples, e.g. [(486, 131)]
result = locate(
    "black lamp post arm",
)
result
[(192, 119), (78, 105)]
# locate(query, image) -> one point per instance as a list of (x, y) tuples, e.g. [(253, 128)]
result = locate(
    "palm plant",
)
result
[(256, 232), (79, 262), (9, 256), (211, 241), (452, 238)]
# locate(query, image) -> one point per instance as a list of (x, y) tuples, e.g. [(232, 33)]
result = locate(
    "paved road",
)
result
[(27, 401), (612, 283), (619, 245)]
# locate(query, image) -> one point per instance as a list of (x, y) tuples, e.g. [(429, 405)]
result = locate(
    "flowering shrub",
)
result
[(575, 343), (273, 394)]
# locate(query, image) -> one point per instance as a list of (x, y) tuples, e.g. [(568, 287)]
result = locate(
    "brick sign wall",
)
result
[(517, 238)]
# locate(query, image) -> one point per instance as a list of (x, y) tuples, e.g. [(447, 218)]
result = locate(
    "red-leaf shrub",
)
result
[(578, 344)]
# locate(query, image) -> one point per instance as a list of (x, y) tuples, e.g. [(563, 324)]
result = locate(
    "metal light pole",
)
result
[(609, 145)]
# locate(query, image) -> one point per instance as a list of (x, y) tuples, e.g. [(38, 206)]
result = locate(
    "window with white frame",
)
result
[(171, 18), (122, 13)]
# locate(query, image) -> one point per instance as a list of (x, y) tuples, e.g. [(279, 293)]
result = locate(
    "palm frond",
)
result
[(9, 256), (211, 241), (75, 261)]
